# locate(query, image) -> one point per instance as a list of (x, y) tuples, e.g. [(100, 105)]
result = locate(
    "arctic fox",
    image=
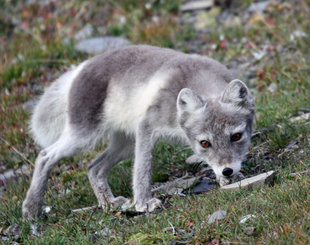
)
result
[(131, 97)]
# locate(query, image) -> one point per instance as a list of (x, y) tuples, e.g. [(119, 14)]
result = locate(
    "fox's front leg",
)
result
[(142, 173)]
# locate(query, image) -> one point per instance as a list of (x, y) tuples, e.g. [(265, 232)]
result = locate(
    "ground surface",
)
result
[(269, 49)]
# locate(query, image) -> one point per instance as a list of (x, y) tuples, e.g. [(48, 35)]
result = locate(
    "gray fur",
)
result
[(132, 97)]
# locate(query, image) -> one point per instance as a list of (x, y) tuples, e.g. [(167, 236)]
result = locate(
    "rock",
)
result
[(298, 173), (292, 144), (207, 19), (196, 5), (301, 118), (258, 7), (13, 231), (46, 209), (203, 185), (260, 53), (272, 87), (173, 186), (304, 109), (249, 230), (98, 45), (217, 215), (12, 174), (298, 34), (254, 182)]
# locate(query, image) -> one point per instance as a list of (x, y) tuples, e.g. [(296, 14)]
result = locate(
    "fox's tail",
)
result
[(50, 114)]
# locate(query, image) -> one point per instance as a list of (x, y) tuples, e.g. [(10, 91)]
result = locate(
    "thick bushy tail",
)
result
[(50, 114)]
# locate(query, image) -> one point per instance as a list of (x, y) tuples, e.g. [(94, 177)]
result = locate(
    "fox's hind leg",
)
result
[(65, 146), (121, 147)]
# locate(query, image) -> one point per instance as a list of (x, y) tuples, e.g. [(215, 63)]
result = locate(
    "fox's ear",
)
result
[(188, 100), (238, 94)]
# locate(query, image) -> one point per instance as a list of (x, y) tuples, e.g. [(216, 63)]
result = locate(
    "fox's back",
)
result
[(121, 85)]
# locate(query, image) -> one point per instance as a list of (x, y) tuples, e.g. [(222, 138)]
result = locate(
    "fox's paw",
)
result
[(150, 206), (31, 211), (112, 204)]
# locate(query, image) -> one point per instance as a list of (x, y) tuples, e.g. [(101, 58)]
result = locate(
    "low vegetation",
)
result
[(269, 50)]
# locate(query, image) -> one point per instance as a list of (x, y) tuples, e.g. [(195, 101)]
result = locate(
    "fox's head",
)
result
[(219, 130)]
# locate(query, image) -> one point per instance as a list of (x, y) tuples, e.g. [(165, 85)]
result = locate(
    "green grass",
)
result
[(32, 59)]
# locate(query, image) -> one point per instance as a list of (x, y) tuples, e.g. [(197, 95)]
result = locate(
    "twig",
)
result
[(84, 209), (17, 152), (172, 227), (91, 215)]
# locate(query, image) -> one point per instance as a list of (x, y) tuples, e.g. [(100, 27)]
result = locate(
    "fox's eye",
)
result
[(236, 137), (205, 144)]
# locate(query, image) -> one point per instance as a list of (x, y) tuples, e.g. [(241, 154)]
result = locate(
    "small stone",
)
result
[(172, 186), (249, 230), (217, 215), (206, 19), (274, 234), (12, 174), (301, 118), (85, 32), (259, 54), (98, 45), (298, 34), (203, 185), (258, 7), (246, 218), (272, 87), (104, 232), (299, 173), (169, 230), (254, 182), (46, 209), (196, 5)]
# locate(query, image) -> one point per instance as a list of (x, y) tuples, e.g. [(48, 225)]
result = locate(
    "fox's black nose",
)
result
[(227, 172)]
